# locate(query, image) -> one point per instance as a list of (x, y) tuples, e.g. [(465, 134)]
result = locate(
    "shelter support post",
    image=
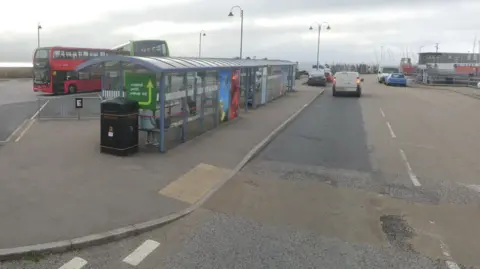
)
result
[(217, 101), (104, 79), (161, 145), (121, 77), (253, 72), (202, 102), (246, 89), (185, 109)]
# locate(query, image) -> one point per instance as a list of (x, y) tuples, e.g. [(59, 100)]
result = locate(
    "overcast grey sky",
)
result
[(272, 28)]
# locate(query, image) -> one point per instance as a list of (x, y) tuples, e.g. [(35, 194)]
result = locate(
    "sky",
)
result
[(360, 30)]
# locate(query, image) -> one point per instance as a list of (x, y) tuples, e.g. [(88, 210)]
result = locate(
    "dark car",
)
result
[(317, 78)]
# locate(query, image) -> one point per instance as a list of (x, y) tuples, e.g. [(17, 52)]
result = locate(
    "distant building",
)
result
[(458, 62)]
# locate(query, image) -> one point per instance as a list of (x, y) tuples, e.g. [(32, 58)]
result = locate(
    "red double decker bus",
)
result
[(54, 70)]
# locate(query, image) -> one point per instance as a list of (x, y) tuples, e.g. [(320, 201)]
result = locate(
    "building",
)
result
[(458, 62)]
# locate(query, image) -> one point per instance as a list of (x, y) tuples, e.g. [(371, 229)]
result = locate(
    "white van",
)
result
[(384, 71), (348, 82)]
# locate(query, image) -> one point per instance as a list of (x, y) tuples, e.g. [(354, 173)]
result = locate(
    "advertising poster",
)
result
[(263, 82), (235, 94), (141, 88), (225, 88)]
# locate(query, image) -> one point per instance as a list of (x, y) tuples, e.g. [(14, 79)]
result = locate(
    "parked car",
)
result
[(347, 82), (396, 79), (384, 72), (317, 78)]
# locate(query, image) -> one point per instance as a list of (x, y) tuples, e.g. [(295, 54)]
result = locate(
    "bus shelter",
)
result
[(188, 96)]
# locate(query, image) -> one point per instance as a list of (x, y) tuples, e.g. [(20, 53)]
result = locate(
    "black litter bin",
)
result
[(119, 127)]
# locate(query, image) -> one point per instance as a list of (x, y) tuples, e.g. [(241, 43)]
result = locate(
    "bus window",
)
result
[(41, 54), (84, 75), (93, 54), (74, 54), (56, 54), (68, 54)]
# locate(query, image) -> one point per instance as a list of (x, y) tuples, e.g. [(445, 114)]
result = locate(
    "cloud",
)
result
[(274, 29)]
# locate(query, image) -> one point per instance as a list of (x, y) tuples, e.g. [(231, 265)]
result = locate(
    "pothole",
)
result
[(415, 194), (398, 231), (305, 175)]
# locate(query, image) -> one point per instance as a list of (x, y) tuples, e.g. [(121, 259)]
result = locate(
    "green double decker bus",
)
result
[(143, 48)]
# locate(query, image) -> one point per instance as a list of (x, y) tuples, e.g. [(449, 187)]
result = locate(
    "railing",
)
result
[(64, 107)]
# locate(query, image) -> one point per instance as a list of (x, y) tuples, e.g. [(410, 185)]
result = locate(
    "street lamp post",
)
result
[(241, 26), (320, 26), (202, 34), (39, 27)]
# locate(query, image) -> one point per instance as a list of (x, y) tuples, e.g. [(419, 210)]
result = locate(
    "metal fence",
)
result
[(64, 107)]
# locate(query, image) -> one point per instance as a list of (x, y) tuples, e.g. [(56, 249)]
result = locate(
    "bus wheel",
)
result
[(72, 89)]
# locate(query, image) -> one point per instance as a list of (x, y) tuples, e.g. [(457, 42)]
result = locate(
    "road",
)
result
[(17, 103), (388, 180)]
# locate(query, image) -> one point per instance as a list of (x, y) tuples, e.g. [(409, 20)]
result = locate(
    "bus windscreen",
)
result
[(150, 48)]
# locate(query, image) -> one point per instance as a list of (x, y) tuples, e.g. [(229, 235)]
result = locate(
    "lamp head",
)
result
[(230, 14), (311, 28)]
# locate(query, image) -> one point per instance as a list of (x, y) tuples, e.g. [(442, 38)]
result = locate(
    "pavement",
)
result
[(388, 180), (58, 187)]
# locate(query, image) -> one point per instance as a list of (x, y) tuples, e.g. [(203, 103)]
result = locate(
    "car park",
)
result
[(347, 82)]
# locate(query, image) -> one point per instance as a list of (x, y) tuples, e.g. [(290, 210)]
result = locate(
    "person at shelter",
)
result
[(148, 124)]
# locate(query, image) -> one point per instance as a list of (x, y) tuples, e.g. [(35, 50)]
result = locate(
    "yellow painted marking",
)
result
[(195, 184)]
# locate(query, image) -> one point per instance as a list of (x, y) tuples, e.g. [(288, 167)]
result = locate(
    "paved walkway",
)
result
[(55, 185)]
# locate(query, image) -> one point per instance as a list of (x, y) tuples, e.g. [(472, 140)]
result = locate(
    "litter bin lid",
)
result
[(119, 105)]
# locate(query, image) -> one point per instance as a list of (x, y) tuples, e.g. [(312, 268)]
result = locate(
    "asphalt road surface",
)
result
[(388, 180), (17, 103)]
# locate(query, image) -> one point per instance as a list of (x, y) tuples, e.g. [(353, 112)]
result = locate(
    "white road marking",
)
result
[(381, 112), (391, 130), (30, 123), (450, 264), (412, 176), (137, 256), (24, 122), (75, 263), (39, 110)]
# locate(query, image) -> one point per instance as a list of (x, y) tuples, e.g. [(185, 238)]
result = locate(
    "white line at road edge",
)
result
[(391, 130), (75, 263), (137, 256), (39, 110), (24, 122), (381, 112), (31, 121), (412, 176)]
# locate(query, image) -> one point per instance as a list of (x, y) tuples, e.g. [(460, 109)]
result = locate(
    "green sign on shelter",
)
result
[(142, 88)]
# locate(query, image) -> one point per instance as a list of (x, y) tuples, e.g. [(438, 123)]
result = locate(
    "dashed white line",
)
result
[(75, 263), (391, 130), (137, 256), (412, 176), (381, 112)]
